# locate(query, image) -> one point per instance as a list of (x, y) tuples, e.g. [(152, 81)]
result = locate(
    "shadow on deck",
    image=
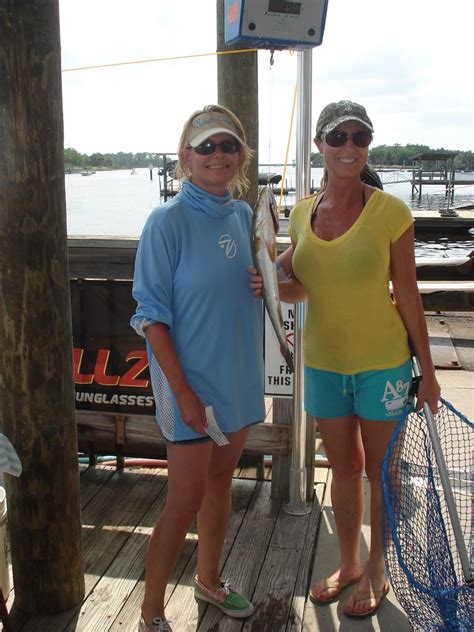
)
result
[(268, 554)]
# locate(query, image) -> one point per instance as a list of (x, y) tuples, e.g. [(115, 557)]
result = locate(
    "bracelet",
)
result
[(281, 274)]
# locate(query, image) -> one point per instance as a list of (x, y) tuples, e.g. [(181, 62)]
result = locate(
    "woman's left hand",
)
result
[(256, 281), (429, 393)]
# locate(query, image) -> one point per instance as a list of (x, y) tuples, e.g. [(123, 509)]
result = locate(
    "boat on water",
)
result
[(87, 173), (168, 169), (264, 179)]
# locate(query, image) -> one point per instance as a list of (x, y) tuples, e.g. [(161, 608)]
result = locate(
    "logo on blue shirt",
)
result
[(228, 244)]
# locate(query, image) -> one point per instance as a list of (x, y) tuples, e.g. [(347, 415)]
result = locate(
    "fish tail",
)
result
[(286, 353)]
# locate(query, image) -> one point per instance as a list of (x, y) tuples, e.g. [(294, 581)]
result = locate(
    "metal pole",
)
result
[(297, 504)]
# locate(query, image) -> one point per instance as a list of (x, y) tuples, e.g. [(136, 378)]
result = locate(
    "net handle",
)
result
[(448, 492)]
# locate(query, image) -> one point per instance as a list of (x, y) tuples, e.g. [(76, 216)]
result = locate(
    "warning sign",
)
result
[(278, 378)]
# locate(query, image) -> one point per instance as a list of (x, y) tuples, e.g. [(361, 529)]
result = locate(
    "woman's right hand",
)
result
[(429, 392), (191, 409)]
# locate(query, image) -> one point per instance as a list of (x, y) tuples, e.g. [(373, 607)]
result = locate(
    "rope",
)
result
[(149, 61), (270, 113), (287, 151)]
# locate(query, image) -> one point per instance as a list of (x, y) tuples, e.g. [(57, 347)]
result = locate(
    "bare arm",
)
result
[(190, 406), (290, 289), (408, 302)]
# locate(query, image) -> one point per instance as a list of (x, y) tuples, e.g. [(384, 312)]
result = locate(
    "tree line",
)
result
[(73, 160), (382, 155), (402, 156)]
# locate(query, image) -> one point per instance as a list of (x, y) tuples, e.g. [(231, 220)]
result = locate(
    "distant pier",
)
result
[(436, 168)]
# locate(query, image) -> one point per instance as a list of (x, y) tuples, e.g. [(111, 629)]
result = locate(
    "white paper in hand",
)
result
[(213, 429)]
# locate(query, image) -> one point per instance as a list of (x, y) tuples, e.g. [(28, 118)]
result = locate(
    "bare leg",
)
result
[(188, 465), (343, 446), (375, 437), (213, 517)]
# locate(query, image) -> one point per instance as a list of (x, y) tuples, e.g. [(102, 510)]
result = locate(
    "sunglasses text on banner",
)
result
[(337, 138), (207, 148)]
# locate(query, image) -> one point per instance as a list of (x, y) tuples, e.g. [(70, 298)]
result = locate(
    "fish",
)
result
[(265, 226)]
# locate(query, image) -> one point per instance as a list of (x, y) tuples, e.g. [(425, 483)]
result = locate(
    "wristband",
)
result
[(281, 274)]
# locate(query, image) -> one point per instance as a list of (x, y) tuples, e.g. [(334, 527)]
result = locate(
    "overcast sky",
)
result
[(409, 62)]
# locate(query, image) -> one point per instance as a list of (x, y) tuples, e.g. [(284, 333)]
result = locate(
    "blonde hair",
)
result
[(239, 182)]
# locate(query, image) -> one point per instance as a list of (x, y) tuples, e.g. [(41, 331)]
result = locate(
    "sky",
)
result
[(408, 62)]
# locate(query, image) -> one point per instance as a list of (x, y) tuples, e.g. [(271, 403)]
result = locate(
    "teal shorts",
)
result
[(375, 395)]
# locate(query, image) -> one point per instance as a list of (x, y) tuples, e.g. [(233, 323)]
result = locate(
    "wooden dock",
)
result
[(268, 554), (442, 219)]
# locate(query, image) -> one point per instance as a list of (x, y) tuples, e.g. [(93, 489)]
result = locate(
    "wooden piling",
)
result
[(36, 385), (237, 89)]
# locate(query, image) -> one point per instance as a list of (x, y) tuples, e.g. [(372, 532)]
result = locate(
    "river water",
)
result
[(117, 203)]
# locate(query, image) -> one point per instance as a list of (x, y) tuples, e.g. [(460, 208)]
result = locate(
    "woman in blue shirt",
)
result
[(203, 331)]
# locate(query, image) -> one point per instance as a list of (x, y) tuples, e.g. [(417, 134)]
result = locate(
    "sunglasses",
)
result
[(337, 138), (207, 148)]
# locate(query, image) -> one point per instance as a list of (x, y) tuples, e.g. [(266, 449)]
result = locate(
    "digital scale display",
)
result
[(281, 6), (275, 24)]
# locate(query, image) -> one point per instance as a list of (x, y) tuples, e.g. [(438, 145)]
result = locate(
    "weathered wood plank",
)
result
[(442, 349), (301, 588), (182, 608), (127, 618), (258, 552), (102, 258), (91, 481), (114, 258), (282, 416), (275, 589), (310, 451), (109, 520), (455, 296), (247, 556), (143, 437), (126, 569), (127, 501)]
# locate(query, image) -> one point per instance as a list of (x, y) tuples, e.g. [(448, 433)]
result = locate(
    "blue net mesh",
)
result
[(421, 552)]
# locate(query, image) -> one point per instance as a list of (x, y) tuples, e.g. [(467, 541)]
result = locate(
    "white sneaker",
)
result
[(157, 625)]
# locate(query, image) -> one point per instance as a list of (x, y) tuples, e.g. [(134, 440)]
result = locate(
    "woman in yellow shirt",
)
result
[(348, 242)]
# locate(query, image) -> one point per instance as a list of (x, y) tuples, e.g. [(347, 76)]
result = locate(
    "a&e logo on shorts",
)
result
[(395, 396)]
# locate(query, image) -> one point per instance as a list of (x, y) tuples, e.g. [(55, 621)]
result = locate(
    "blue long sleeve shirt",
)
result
[(191, 274)]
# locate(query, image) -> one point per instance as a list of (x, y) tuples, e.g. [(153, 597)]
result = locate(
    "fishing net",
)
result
[(421, 552)]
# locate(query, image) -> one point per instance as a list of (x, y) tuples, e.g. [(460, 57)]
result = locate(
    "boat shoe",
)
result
[(157, 625), (225, 598)]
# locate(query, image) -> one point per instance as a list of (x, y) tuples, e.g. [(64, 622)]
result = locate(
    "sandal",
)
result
[(360, 595), (327, 584)]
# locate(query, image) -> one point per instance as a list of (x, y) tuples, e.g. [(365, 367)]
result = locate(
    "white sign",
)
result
[(278, 378)]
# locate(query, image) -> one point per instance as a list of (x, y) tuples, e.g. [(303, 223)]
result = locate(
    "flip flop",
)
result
[(326, 584), (360, 595)]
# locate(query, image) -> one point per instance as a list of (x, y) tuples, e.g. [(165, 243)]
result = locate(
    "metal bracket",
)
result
[(120, 429)]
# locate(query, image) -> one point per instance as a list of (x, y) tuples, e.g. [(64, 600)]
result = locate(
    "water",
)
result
[(117, 203)]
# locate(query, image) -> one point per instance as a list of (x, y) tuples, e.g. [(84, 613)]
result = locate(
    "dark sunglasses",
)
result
[(207, 148), (337, 138)]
